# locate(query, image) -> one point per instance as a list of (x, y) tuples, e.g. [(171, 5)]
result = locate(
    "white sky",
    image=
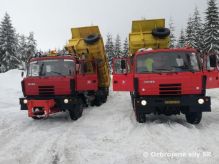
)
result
[(51, 20)]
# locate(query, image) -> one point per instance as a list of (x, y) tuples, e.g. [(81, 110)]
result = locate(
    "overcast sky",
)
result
[(51, 20)]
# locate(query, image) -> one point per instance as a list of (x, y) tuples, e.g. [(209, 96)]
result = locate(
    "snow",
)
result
[(106, 134)]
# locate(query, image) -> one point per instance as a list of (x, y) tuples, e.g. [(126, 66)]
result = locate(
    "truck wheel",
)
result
[(104, 99), (77, 111), (193, 117), (140, 117), (161, 32), (97, 101), (90, 39)]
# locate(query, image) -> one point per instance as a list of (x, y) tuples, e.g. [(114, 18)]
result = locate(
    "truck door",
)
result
[(211, 70), (122, 75), (86, 79)]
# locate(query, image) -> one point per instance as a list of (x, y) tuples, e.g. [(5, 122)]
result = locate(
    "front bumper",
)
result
[(59, 102), (172, 104)]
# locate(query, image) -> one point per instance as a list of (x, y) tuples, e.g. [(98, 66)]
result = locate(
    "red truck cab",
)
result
[(59, 83), (167, 81)]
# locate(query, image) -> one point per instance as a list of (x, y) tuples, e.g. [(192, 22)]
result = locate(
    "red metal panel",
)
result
[(123, 82), (122, 78), (86, 82), (212, 78), (170, 83)]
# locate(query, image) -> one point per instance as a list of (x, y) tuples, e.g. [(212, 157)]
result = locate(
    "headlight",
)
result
[(25, 101), (143, 102), (66, 101), (201, 101)]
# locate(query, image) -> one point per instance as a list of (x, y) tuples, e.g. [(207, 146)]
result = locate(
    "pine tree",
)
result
[(118, 51), (125, 48), (31, 46), (197, 31), (172, 34), (189, 30), (109, 47), (22, 49), (26, 48), (182, 40), (8, 45), (211, 27)]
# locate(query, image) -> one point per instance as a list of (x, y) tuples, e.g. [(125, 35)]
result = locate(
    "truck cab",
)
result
[(58, 83), (163, 80)]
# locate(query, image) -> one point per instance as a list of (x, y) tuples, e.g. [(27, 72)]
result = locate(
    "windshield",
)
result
[(59, 67), (167, 62)]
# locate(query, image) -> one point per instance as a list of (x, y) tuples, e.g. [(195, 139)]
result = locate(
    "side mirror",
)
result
[(22, 74), (123, 64), (213, 61)]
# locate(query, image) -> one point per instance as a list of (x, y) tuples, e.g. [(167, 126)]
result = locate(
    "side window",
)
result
[(121, 66), (87, 68)]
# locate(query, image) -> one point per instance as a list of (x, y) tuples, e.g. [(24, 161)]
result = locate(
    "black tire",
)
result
[(161, 32), (193, 117), (140, 117), (91, 39), (76, 112), (132, 99), (97, 101)]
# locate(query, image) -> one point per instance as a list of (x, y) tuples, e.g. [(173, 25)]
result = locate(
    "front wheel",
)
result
[(140, 117), (76, 112), (193, 117)]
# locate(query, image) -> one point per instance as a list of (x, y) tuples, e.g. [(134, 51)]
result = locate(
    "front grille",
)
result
[(170, 89), (46, 90)]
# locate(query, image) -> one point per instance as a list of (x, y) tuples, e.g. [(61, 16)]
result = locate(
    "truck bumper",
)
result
[(59, 102), (172, 104)]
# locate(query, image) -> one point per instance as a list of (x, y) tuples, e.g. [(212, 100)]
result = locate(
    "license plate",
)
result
[(172, 102)]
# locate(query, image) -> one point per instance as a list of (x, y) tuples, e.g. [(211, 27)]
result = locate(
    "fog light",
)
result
[(143, 102), (66, 101), (25, 101), (201, 101)]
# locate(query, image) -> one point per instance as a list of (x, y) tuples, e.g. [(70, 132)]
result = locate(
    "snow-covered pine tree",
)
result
[(189, 30), (109, 47), (31, 46), (118, 50), (172, 34), (125, 48), (8, 45), (211, 28), (181, 40), (197, 33), (22, 49)]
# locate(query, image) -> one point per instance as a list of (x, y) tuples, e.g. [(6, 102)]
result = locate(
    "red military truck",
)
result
[(67, 82), (162, 80)]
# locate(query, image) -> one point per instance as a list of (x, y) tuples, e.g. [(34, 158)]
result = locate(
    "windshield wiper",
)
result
[(162, 69), (184, 68), (58, 73)]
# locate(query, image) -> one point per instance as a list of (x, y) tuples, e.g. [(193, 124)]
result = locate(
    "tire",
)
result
[(140, 117), (161, 32), (91, 39), (193, 117), (97, 101), (77, 110)]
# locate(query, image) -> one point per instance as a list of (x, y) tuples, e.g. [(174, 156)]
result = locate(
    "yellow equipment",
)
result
[(86, 43), (141, 35)]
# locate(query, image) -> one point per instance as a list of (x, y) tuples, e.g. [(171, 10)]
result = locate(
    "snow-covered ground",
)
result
[(106, 134)]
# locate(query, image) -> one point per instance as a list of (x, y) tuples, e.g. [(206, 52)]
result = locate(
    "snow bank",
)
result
[(106, 134)]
